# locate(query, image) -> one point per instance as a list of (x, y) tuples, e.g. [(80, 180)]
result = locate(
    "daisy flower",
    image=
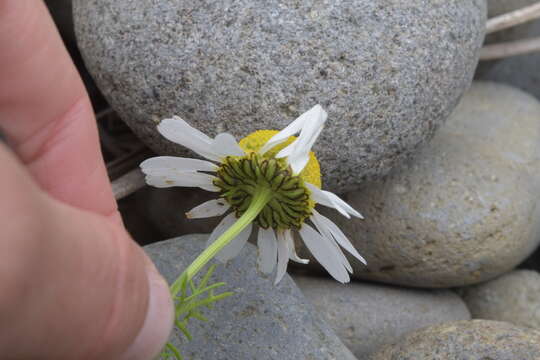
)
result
[(269, 180)]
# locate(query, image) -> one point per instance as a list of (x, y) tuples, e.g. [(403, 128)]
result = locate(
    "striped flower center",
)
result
[(239, 178)]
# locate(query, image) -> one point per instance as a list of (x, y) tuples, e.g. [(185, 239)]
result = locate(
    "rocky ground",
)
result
[(444, 168)]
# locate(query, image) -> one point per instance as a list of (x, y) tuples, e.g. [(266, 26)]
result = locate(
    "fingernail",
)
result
[(158, 323)]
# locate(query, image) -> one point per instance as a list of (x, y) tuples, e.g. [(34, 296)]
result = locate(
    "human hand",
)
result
[(73, 284)]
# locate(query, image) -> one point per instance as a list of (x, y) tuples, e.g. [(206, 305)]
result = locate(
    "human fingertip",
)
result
[(159, 320)]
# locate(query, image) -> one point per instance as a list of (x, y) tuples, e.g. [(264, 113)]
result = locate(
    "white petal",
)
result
[(318, 195), (267, 244), (296, 158), (177, 123), (338, 202), (180, 132), (325, 232), (291, 129), (283, 256), (235, 246), (343, 258), (298, 162), (226, 145), (329, 199), (331, 230), (164, 179), (298, 151), (300, 148), (176, 164), (292, 251), (223, 225), (325, 253), (284, 134), (208, 209)]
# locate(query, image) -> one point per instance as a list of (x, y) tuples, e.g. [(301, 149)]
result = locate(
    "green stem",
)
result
[(259, 201)]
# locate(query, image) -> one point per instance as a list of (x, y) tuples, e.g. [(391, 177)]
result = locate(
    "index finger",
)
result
[(45, 112)]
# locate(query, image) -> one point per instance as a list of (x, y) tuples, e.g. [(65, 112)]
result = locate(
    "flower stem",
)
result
[(259, 201)]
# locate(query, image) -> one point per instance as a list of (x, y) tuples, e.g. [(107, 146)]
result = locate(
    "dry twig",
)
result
[(512, 48), (128, 184), (127, 162), (513, 18)]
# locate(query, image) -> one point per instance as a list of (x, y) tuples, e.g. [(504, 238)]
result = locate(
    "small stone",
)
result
[(366, 316), (513, 297), (388, 73), (260, 321), (468, 208), (473, 339)]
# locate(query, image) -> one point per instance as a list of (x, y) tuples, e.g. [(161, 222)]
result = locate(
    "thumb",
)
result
[(73, 285)]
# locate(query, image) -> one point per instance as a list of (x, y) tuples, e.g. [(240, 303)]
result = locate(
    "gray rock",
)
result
[(474, 340), (261, 321), (366, 316), (388, 72), (464, 210), (513, 297)]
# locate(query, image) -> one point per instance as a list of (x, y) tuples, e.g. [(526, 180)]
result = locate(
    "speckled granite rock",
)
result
[(261, 321), (366, 316), (513, 297), (465, 209), (474, 340), (387, 72)]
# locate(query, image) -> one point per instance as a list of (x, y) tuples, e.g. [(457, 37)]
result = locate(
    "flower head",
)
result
[(274, 167)]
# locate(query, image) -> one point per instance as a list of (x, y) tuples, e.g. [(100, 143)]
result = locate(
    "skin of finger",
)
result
[(72, 284), (45, 112)]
